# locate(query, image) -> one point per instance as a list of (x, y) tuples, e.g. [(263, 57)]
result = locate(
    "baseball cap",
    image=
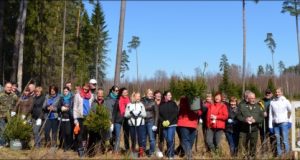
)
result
[(93, 81)]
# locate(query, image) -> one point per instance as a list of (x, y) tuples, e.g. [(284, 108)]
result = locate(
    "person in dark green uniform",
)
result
[(249, 116)]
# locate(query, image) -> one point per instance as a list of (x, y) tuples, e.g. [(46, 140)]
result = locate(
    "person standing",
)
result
[(50, 106), (187, 124), (157, 102), (82, 106), (93, 86), (151, 119), (24, 106), (280, 112), (15, 89), (232, 130), (216, 117), (249, 116), (8, 100), (135, 113), (37, 115), (168, 113), (119, 121)]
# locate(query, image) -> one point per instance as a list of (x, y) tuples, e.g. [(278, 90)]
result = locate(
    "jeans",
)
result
[(2, 128), (36, 135), (150, 133), (233, 141), (169, 134), (188, 136), (117, 129), (282, 129), (213, 138), (51, 125), (139, 132)]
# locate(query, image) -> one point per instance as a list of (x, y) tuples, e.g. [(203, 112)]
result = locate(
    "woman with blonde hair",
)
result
[(135, 113)]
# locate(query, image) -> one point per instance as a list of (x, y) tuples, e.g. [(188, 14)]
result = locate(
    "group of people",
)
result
[(146, 118)]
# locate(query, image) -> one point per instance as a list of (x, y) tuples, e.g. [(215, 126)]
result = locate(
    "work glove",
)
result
[(76, 129), (23, 116), (230, 120), (166, 123), (38, 122), (154, 128), (12, 114), (111, 129), (200, 121)]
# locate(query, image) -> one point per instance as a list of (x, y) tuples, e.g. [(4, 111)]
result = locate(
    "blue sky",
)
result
[(178, 36)]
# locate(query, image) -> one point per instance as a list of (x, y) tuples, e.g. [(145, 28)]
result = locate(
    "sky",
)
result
[(178, 36)]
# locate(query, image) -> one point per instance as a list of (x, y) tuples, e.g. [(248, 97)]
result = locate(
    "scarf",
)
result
[(85, 95), (113, 95), (123, 101), (67, 98), (24, 97)]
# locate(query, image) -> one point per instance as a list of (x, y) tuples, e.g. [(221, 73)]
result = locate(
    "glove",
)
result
[(271, 130), (154, 128), (63, 108), (12, 114), (289, 125), (38, 122), (76, 129), (166, 123), (200, 120), (111, 129), (23, 116), (230, 120)]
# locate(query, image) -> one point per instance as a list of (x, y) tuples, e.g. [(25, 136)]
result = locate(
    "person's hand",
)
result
[(253, 120), (111, 129), (38, 122), (76, 128), (166, 123), (50, 108), (230, 120), (12, 114), (154, 128), (271, 130), (265, 114)]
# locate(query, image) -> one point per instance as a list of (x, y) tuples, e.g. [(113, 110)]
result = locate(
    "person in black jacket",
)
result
[(168, 112), (37, 115)]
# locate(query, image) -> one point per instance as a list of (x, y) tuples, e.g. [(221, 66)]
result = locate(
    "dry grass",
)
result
[(47, 153)]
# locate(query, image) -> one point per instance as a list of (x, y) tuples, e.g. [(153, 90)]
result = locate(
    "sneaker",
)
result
[(159, 154)]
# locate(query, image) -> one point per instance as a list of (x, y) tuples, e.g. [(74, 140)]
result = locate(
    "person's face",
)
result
[(86, 89), (168, 97), (218, 98), (26, 93), (233, 104), (224, 98), (66, 92), (125, 93), (278, 93), (116, 91), (251, 98), (69, 85), (38, 93), (8, 88), (52, 92), (158, 96), (100, 95), (208, 98), (92, 86), (269, 95), (31, 87), (137, 97), (150, 94), (14, 88)]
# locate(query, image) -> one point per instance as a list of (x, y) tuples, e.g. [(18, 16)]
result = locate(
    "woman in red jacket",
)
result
[(217, 115), (187, 123)]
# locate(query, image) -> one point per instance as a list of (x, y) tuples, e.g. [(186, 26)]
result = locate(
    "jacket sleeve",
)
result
[(240, 115), (270, 116), (127, 111), (56, 103), (223, 115), (143, 111), (45, 104), (75, 109), (156, 114), (174, 114), (115, 111), (259, 117)]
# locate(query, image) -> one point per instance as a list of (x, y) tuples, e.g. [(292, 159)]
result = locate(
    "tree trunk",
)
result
[(273, 64), (96, 65), (2, 6), (21, 43), (120, 43), (137, 71), (17, 44), (63, 51), (298, 43), (244, 45)]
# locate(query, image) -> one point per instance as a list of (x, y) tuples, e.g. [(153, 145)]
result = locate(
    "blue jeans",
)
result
[(2, 128), (117, 129), (150, 133), (36, 135), (233, 141), (188, 136), (169, 134), (139, 132), (281, 129)]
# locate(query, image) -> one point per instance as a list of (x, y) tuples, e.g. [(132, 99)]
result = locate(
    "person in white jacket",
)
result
[(136, 113), (280, 112)]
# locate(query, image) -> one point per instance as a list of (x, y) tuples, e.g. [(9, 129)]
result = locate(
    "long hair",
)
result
[(121, 91)]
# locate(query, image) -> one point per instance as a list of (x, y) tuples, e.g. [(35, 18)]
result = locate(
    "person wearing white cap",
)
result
[(93, 86)]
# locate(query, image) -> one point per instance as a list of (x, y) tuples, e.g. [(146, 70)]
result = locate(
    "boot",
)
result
[(81, 152), (141, 152)]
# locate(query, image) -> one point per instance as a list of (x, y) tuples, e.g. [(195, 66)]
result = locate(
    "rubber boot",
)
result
[(80, 152), (141, 152)]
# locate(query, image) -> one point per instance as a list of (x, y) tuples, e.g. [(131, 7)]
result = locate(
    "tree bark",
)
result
[(137, 70), (21, 43), (63, 51), (298, 43), (96, 65), (244, 46), (120, 43), (2, 6)]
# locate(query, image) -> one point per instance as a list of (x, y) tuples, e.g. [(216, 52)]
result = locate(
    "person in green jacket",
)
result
[(250, 115)]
